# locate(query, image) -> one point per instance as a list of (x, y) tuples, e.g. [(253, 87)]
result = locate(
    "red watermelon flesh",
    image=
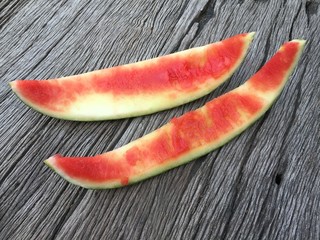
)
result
[(139, 88), (187, 137)]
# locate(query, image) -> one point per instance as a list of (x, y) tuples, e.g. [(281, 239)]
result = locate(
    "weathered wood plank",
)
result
[(262, 185)]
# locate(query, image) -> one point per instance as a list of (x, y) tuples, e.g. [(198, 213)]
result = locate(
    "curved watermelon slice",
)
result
[(187, 137), (138, 88)]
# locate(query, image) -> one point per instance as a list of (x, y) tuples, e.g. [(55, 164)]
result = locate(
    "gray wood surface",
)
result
[(264, 184)]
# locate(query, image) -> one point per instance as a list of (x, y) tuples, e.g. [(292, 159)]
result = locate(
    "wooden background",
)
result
[(264, 184)]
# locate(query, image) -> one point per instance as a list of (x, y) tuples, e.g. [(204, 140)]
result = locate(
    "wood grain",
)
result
[(265, 184)]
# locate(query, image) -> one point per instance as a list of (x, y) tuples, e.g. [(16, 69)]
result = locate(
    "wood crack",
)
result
[(311, 8), (203, 17), (294, 20), (157, 14), (283, 162)]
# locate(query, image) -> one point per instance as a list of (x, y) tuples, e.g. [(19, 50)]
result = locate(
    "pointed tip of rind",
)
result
[(300, 41), (12, 85), (251, 35), (49, 162)]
